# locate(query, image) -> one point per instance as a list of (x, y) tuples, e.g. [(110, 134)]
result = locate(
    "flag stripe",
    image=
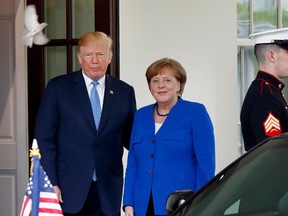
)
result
[(26, 208), (49, 206), (45, 200), (49, 214), (50, 210)]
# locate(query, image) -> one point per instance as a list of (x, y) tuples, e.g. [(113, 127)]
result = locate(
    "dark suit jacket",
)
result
[(71, 147)]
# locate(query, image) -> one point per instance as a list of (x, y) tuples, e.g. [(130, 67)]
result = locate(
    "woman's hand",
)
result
[(129, 211)]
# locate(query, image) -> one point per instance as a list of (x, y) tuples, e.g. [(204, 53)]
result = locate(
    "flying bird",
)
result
[(32, 32)]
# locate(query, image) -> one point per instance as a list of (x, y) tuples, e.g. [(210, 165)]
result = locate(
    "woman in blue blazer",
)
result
[(172, 144)]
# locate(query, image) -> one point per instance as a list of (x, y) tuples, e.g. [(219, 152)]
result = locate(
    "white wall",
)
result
[(200, 34)]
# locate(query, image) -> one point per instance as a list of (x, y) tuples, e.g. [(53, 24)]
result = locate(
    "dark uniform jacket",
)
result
[(264, 111)]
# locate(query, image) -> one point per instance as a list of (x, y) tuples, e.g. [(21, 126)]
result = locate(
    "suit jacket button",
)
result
[(153, 140), (151, 155), (150, 171)]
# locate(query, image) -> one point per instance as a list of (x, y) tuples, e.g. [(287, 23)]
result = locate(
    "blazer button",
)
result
[(150, 171), (153, 140), (151, 155)]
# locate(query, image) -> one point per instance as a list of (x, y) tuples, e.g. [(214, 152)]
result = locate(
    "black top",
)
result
[(264, 111)]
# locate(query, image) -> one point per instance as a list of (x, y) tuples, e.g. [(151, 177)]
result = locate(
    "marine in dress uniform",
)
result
[(264, 111)]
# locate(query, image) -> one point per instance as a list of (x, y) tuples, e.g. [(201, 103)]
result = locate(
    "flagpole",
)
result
[(35, 191)]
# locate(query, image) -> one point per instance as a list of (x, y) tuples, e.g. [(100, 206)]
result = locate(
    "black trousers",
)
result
[(92, 206), (150, 209)]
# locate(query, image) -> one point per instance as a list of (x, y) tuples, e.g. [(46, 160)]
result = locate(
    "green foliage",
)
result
[(243, 11), (265, 16)]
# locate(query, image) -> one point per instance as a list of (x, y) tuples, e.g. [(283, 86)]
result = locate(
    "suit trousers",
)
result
[(92, 206)]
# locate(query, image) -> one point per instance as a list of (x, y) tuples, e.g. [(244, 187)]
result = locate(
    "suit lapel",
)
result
[(83, 97), (108, 101)]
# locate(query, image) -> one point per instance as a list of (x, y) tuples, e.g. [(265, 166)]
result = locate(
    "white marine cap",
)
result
[(277, 36)]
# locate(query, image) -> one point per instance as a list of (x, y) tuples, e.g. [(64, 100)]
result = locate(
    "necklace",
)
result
[(159, 114)]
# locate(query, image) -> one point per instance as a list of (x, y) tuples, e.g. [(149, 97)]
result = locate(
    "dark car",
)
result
[(255, 184)]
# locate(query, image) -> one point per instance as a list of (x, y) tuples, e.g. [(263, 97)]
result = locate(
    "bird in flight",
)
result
[(32, 33)]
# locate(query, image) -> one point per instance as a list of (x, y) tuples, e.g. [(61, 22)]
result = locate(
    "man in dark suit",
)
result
[(83, 159)]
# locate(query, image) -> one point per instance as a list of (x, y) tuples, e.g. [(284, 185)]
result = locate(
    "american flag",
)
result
[(40, 198)]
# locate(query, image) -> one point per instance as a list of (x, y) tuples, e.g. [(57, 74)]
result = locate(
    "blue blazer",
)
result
[(71, 147), (181, 155)]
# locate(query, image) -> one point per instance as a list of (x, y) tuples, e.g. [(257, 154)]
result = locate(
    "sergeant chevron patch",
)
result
[(272, 125)]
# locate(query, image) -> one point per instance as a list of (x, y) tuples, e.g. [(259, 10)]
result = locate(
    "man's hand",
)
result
[(58, 193)]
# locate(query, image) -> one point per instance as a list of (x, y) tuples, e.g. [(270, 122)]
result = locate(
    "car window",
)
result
[(255, 185)]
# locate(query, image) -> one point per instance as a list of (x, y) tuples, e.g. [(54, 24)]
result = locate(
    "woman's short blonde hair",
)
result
[(176, 68)]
